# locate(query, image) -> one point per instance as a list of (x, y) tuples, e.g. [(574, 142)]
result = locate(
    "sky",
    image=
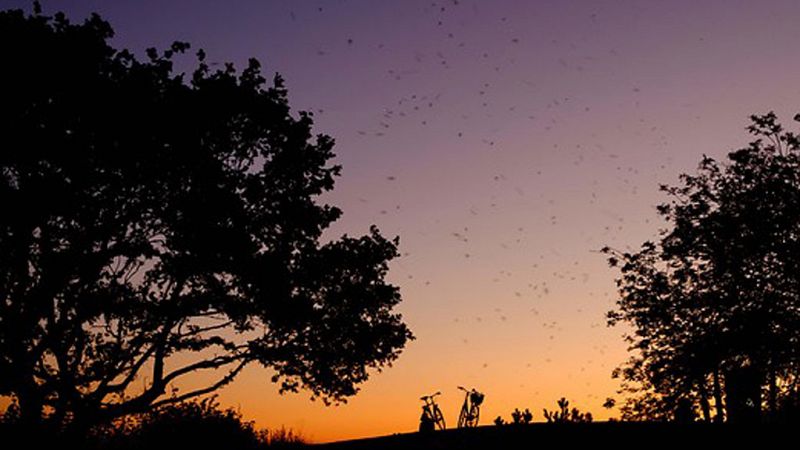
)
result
[(505, 143)]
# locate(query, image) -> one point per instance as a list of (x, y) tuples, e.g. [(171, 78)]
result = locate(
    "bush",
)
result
[(521, 417), (196, 424), (282, 438), (564, 415)]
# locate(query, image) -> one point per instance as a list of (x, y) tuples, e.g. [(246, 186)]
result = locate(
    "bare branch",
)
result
[(201, 330), (106, 387), (213, 363), (220, 383)]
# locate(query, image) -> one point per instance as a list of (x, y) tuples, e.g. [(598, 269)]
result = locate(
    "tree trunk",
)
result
[(718, 405), (704, 400), (30, 406), (743, 394), (31, 426), (772, 396), (78, 429)]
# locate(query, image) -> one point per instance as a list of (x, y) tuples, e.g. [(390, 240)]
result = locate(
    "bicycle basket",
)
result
[(476, 398)]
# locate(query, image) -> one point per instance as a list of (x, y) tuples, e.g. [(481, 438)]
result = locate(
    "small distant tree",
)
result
[(156, 225)]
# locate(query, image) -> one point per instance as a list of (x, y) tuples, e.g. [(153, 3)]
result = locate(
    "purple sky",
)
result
[(504, 142)]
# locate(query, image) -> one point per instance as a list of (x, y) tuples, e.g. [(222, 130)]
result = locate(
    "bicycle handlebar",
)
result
[(424, 397)]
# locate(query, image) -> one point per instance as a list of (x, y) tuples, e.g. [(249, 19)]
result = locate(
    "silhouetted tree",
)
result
[(715, 303), (156, 226)]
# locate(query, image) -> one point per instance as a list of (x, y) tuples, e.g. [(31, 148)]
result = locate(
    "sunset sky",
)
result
[(505, 143)]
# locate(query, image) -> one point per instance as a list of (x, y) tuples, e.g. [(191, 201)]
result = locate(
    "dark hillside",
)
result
[(600, 435)]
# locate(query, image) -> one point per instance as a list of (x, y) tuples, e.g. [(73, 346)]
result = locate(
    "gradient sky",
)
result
[(505, 143)]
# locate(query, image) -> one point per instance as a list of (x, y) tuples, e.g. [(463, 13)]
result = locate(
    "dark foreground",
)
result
[(586, 435)]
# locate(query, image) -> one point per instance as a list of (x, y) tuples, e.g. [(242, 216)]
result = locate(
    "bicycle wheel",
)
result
[(474, 416), (426, 421), (438, 417)]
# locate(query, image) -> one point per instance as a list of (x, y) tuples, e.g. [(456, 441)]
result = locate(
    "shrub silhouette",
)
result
[(196, 424), (521, 417), (282, 438), (564, 415)]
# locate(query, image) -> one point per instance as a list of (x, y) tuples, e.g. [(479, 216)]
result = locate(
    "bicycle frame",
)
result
[(431, 412), (470, 409)]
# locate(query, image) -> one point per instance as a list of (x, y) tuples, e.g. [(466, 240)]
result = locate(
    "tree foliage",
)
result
[(714, 304), (157, 225)]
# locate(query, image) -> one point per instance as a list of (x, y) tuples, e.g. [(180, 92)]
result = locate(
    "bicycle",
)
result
[(471, 409), (432, 416)]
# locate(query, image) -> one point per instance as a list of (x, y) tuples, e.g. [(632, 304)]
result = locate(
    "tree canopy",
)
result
[(714, 304), (156, 224)]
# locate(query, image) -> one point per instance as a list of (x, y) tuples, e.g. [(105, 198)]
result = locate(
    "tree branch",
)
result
[(222, 382)]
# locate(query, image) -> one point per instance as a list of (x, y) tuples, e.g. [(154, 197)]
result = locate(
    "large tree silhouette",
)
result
[(715, 304), (156, 225)]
